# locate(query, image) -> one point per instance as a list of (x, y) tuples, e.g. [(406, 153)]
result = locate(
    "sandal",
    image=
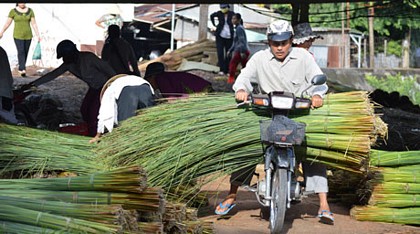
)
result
[(326, 217), (228, 207)]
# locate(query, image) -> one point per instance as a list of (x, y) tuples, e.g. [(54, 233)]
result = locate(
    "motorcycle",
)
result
[(279, 136)]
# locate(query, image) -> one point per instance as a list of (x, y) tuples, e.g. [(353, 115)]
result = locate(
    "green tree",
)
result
[(393, 19)]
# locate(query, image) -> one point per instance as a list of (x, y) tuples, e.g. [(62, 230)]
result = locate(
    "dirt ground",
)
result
[(245, 217)]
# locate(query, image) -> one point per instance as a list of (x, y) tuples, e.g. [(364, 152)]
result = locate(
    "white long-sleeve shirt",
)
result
[(108, 112), (294, 74)]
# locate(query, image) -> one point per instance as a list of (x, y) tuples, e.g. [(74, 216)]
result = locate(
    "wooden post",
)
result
[(406, 50), (371, 38), (348, 14), (385, 47), (202, 24)]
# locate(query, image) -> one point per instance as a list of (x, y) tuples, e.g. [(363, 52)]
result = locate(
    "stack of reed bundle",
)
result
[(123, 188), (184, 140), (393, 188), (191, 52), (106, 202)]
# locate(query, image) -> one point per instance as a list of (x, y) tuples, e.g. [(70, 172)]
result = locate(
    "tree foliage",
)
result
[(391, 17)]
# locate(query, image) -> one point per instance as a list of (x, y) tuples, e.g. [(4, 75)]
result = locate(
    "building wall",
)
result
[(335, 48)]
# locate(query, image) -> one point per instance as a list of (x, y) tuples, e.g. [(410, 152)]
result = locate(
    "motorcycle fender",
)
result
[(281, 157)]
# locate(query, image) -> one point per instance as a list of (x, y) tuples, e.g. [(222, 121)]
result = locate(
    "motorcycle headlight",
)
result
[(282, 102)]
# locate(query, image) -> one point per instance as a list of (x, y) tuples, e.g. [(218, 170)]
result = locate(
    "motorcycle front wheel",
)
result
[(279, 200)]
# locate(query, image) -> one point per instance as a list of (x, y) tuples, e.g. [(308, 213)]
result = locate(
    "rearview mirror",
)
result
[(319, 79)]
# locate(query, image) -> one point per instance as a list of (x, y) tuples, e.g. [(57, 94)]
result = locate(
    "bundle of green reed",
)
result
[(380, 158), (93, 212), (351, 161), (389, 215), (20, 228), (150, 200), (27, 151), (15, 214), (406, 174), (394, 200), (186, 139), (128, 179), (395, 188)]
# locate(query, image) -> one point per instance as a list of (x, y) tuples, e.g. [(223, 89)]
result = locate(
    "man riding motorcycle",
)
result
[(281, 68)]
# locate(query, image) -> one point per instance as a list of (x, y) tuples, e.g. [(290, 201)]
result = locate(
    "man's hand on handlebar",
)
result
[(317, 101), (241, 95)]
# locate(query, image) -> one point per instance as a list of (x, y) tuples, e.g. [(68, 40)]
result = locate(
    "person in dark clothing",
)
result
[(87, 67), (7, 113), (224, 35), (173, 84), (239, 51), (119, 53)]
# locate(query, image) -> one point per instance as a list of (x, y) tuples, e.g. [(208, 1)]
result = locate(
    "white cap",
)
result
[(279, 30)]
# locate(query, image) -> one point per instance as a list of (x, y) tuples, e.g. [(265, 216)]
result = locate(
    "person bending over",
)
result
[(121, 97), (87, 67)]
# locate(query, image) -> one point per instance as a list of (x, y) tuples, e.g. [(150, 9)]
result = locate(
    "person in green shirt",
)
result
[(24, 18)]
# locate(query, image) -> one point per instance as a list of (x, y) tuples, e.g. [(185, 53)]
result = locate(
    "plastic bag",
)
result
[(37, 52)]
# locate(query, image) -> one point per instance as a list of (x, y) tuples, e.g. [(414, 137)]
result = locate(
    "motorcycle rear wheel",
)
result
[(279, 200)]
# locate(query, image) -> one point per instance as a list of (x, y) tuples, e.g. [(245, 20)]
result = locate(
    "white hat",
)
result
[(279, 30)]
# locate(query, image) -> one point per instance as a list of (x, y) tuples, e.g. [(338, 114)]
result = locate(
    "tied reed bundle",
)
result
[(395, 200), (406, 174), (150, 200), (389, 215), (395, 188), (27, 151), (20, 228), (13, 213), (129, 179), (382, 158), (92, 212)]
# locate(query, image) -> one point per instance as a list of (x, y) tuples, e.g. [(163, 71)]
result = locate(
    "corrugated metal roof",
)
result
[(156, 13)]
